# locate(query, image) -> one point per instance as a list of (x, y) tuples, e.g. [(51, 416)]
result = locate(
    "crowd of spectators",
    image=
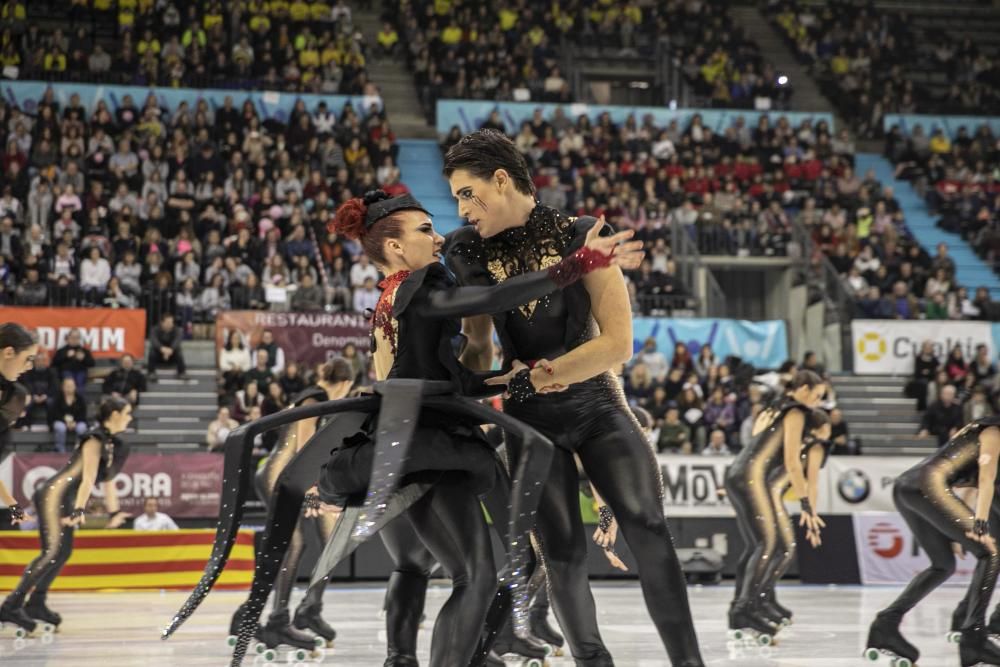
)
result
[(302, 45), (960, 179), (515, 50), (702, 404), (872, 62), (186, 210), (952, 390)]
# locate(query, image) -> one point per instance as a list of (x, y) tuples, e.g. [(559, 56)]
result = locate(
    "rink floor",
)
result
[(111, 629)]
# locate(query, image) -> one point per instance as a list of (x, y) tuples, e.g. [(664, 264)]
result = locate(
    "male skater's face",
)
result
[(481, 201)]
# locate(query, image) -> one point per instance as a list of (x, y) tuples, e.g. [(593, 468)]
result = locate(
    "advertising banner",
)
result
[(888, 554), (186, 485), (691, 485), (947, 124), (306, 338), (107, 332), (131, 560), (470, 115), (888, 347), (861, 483), (763, 344)]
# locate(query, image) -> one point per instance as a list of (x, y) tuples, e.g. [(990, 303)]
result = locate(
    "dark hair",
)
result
[(336, 370), (229, 339), (786, 367), (483, 152), (109, 406), (16, 336), (165, 315), (349, 220), (818, 419), (804, 379)]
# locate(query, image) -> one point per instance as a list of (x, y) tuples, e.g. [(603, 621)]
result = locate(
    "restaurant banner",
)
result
[(187, 485), (305, 338), (107, 332)]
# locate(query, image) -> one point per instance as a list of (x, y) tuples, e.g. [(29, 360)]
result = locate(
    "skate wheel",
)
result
[(231, 641), (872, 654), (765, 640), (48, 628), (901, 662), (297, 655), (320, 642), (735, 634), (549, 650), (21, 633), (534, 662), (270, 654), (953, 637), (47, 639)]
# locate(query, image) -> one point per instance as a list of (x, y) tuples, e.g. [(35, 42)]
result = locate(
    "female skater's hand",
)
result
[(544, 368), (628, 255), (504, 380), (606, 540), (73, 521), (812, 523), (959, 551), (986, 540)]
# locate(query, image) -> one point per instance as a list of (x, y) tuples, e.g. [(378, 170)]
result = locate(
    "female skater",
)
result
[(511, 235), (17, 353), (815, 448), (60, 504), (413, 326), (938, 518), (334, 381), (778, 437)]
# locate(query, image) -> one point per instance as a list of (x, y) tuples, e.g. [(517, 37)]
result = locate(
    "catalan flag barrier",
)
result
[(130, 560)]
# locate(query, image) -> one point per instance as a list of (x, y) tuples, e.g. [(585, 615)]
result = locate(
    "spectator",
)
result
[(363, 271), (95, 272), (639, 384), (978, 406), (308, 297), (674, 434), (275, 355), (746, 426), (925, 369), (126, 381), (682, 358), (261, 373), (219, 429), (840, 437), (717, 445), (234, 361), (956, 366), (246, 401), (42, 384), (943, 417), (73, 360), (67, 414), (165, 348), (291, 381), (982, 368), (152, 519), (654, 360), (366, 297)]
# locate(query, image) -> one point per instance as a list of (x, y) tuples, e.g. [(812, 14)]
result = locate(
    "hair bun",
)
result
[(374, 196)]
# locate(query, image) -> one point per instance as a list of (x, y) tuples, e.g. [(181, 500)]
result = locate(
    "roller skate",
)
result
[(528, 652), (771, 604), (279, 632), (541, 629), (400, 660), (886, 643), (18, 619), (234, 627), (746, 624), (308, 617), (35, 609), (975, 648), (954, 635)]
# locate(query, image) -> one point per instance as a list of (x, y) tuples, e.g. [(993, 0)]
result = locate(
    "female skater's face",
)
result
[(418, 246), (481, 201), (120, 420), (13, 363), (810, 396)]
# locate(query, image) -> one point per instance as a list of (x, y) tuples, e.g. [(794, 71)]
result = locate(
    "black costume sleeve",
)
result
[(453, 301)]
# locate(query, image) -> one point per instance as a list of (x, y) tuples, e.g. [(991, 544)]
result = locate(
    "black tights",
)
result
[(407, 587), (620, 463), (768, 536), (446, 525), (57, 546), (938, 518)]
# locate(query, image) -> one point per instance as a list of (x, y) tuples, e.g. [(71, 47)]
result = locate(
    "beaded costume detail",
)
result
[(383, 320)]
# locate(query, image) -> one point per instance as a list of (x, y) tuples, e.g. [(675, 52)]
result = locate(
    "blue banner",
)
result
[(470, 115), (996, 336), (763, 344), (949, 124), (269, 105)]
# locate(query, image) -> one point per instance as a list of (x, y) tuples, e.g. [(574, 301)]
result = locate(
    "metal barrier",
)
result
[(694, 274)]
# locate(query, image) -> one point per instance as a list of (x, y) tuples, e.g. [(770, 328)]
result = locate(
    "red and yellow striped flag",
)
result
[(131, 560)]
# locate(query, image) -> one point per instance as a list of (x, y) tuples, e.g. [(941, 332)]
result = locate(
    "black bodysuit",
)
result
[(53, 501), (593, 420), (923, 495)]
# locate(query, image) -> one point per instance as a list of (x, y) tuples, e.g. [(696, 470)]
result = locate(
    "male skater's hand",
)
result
[(504, 380), (624, 253)]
